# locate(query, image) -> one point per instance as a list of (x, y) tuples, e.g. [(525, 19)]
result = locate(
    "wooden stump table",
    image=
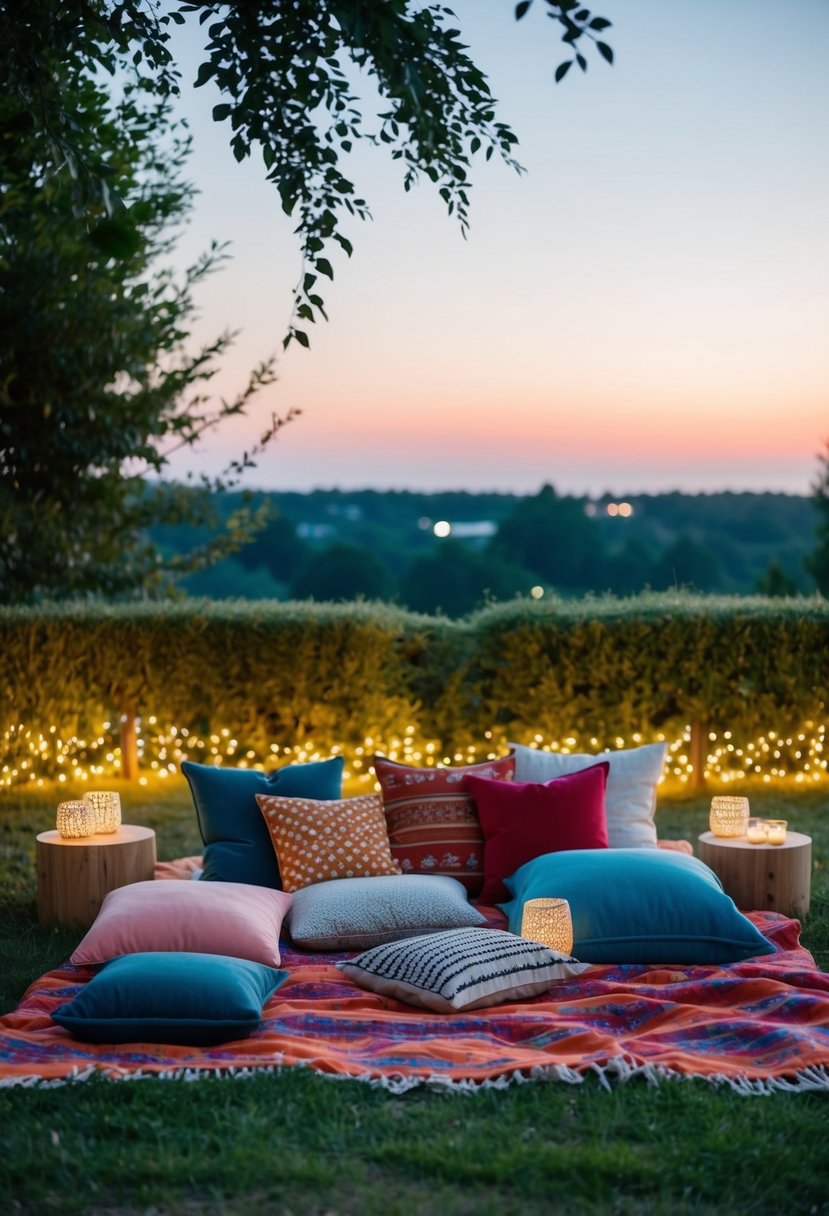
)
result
[(762, 877), (73, 876)]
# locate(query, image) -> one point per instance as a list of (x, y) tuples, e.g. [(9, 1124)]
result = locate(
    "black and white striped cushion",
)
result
[(460, 969)]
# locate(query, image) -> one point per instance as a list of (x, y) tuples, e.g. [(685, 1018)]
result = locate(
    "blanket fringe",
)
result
[(617, 1070)]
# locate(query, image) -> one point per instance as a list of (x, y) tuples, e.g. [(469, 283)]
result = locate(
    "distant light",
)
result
[(625, 509), (590, 509), (537, 592), (424, 523), (442, 528), (612, 508)]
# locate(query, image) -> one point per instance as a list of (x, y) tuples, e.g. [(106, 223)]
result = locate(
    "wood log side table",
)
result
[(73, 876), (762, 877)]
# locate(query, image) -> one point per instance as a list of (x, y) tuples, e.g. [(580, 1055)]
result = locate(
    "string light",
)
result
[(32, 757)]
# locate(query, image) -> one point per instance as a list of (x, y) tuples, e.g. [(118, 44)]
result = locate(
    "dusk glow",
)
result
[(646, 309)]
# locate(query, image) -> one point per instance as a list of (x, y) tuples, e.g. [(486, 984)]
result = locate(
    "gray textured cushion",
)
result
[(461, 969), (355, 913)]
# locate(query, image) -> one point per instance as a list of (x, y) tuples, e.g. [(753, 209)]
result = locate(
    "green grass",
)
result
[(296, 1142)]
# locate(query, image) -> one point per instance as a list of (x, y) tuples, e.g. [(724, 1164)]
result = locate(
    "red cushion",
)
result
[(521, 820), (433, 827)]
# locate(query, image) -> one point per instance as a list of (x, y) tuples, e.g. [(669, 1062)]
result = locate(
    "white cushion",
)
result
[(461, 969), (355, 913), (630, 796)]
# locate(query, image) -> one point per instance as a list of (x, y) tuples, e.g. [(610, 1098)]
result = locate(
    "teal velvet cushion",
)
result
[(639, 906), (237, 842), (163, 997)]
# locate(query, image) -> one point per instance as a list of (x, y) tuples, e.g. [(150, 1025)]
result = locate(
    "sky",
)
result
[(645, 310)]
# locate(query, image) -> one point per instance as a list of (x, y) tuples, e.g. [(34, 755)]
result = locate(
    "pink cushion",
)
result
[(521, 820), (232, 918)]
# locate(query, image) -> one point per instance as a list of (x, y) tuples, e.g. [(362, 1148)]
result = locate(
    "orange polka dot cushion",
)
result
[(316, 841)]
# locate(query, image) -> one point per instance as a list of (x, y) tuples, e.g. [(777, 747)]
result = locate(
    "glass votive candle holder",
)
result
[(549, 922), (75, 819), (729, 816), (107, 808), (756, 832), (775, 831)]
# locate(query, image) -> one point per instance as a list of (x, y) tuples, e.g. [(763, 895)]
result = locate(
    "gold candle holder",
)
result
[(106, 806), (75, 819), (548, 921), (729, 816)]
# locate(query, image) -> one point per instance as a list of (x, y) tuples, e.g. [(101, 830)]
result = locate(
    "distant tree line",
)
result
[(336, 545)]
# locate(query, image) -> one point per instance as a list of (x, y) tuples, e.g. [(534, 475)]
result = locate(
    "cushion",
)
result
[(231, 918), (521, 820), (354, 913), (315, 841), (237, 845), (630, 797), (639, 906), (460, 969), (193, 999), (432, 822)]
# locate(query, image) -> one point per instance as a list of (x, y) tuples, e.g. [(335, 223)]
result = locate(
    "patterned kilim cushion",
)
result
[(432, 821), (460, 969), (316, 841)]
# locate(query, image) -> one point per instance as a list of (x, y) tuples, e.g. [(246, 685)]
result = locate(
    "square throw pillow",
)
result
[(197, 1000), (630, 797), (355, 913), (639, 906), (230, 918), (237, 845), (315, 841), (461, 969), (432, 822), (521, 820)]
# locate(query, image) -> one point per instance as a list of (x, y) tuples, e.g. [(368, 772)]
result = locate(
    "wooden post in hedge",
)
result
[(698, 754), (129, 744)]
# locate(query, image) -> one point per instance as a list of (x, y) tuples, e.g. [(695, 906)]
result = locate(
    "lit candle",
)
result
[(757, 832), (776, 831)]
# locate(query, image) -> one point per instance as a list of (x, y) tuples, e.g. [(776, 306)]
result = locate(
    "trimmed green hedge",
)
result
[(273, 678)]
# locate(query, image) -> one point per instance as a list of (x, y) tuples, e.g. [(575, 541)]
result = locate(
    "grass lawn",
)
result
[(300, 1143)]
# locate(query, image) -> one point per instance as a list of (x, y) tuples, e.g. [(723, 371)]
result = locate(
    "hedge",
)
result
[(257, 681)]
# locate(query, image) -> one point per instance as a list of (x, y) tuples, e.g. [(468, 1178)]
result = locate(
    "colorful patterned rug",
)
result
[(756, 1026)]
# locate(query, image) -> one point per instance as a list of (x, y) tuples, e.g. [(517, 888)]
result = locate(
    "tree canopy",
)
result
[(97, 382), (285, 73)]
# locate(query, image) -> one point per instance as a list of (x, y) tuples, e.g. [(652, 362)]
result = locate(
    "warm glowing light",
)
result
[(442, 528), (549, 922), (537, 592)]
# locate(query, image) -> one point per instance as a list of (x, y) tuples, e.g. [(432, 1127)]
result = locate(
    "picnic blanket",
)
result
[(756, 1026)]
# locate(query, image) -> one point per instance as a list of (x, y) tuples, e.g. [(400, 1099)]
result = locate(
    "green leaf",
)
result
[(605, 51), (600, 23), (116, 238), (206, 70), (222, 112), (521, 9), (324, 267), (563, 69), (301, 337)]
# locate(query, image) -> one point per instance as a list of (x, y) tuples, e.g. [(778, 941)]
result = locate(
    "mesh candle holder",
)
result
[(75, 819), (548, 921), (729, 816), (106, 806)]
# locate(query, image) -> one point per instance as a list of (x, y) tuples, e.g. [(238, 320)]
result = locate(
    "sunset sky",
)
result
[(646, 309)]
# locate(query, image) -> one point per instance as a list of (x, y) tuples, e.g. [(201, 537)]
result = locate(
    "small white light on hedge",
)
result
[(106, 806), (75, 819), (548, 921), (729, 816)]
